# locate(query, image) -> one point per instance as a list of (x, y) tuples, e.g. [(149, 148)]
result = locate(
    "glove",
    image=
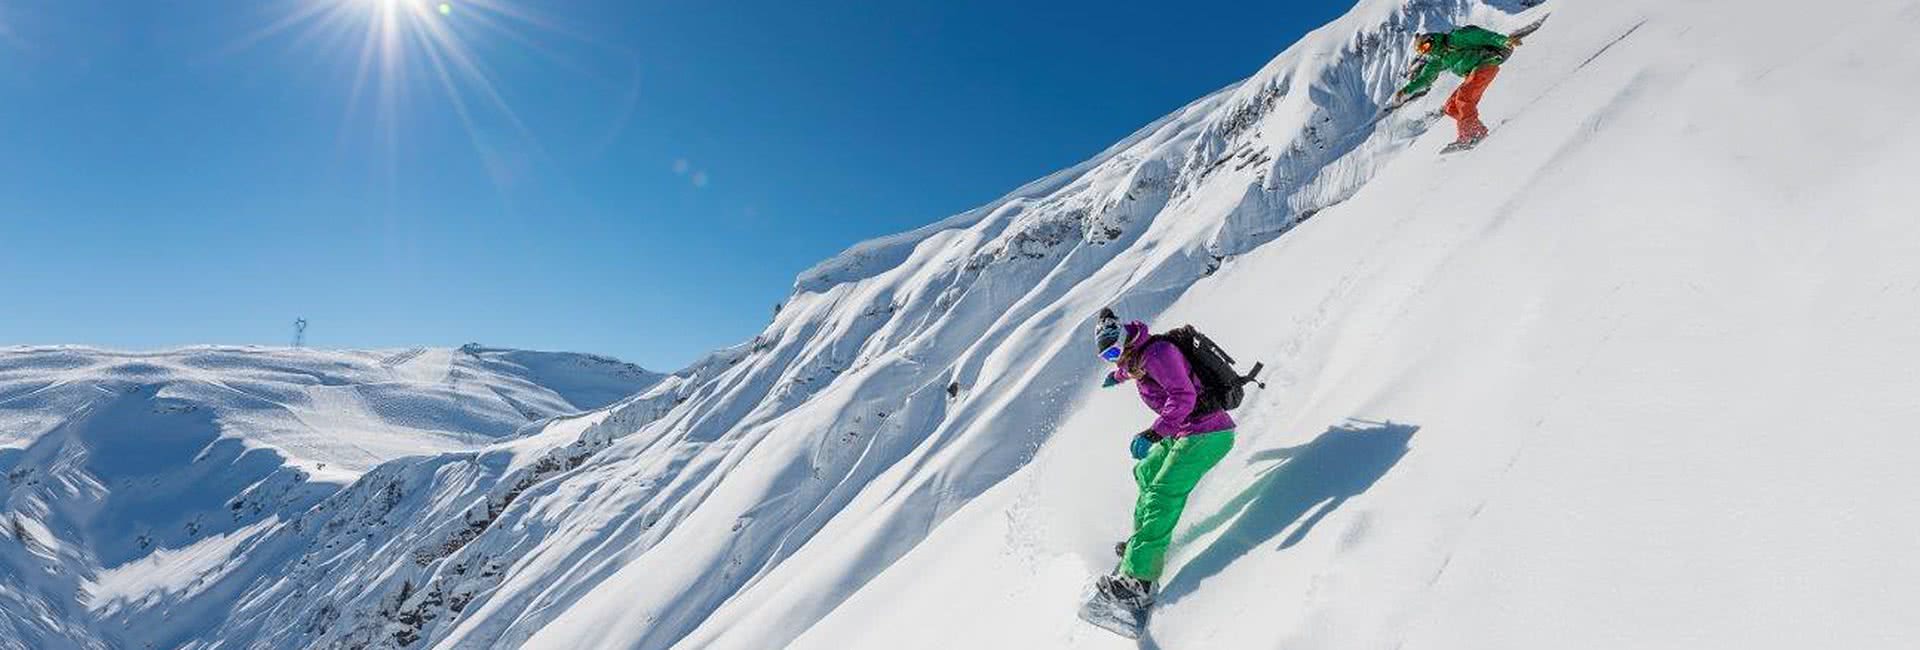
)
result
[(1109, 381), (1143, 443), (1513, 42)]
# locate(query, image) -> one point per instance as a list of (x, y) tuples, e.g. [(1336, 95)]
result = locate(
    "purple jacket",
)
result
[(1167, 385)]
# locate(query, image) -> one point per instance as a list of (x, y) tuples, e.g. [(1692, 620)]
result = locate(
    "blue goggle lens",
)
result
[(1111, 354)]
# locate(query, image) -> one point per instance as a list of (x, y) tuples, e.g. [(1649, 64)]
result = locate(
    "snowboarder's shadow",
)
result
[(1306, 484)]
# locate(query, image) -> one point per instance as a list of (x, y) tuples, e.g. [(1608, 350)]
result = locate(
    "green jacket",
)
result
[(1461, 51)]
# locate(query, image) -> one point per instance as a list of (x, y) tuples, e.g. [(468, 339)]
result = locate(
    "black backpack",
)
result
[(1221, 387)]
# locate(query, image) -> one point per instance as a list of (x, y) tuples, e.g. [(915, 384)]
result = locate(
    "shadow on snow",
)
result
[(1298, 487)]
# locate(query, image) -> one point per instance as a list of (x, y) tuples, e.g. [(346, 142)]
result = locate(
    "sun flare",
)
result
[(396, 53)]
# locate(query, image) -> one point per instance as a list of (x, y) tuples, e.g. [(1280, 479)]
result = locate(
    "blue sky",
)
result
[(631, 177)]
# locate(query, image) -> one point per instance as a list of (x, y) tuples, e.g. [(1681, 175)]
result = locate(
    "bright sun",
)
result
[(403, 64), (395, 49)]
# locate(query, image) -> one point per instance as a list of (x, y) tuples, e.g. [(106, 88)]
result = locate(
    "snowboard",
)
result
[(1530, 28), (1103, 613)]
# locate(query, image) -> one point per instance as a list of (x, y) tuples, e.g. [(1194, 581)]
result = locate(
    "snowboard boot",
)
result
[(1463, 144), (1468, 140), (1470, 135), (1126, 590)]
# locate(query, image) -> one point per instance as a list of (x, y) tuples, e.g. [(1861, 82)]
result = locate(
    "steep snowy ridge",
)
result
[(874, 257)]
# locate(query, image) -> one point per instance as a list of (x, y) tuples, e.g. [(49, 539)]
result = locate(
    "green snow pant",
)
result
[(1166, 476)]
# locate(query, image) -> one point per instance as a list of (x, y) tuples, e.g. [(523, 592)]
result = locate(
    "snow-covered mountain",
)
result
[(1628, 375), (134, 480)]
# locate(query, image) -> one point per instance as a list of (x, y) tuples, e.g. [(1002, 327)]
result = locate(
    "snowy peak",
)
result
[(347, 409), (134, 480)]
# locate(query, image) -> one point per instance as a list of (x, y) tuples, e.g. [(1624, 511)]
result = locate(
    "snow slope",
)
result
[(1644, 353), (137, 480), (1629, 375)]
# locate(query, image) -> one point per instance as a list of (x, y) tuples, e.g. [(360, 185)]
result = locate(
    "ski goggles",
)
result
[(1112, 353)]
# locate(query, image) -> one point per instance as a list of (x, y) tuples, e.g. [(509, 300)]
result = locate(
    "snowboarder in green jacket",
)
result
[(1471, 52)]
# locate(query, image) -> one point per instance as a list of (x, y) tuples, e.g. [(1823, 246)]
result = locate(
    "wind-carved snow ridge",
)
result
[(1301, 133), (874, 257)]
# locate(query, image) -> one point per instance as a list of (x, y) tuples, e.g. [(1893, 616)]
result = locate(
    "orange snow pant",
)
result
[(1464, 105)]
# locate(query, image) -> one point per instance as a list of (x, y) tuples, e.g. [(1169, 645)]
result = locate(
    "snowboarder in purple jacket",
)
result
[(1173, 454)]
